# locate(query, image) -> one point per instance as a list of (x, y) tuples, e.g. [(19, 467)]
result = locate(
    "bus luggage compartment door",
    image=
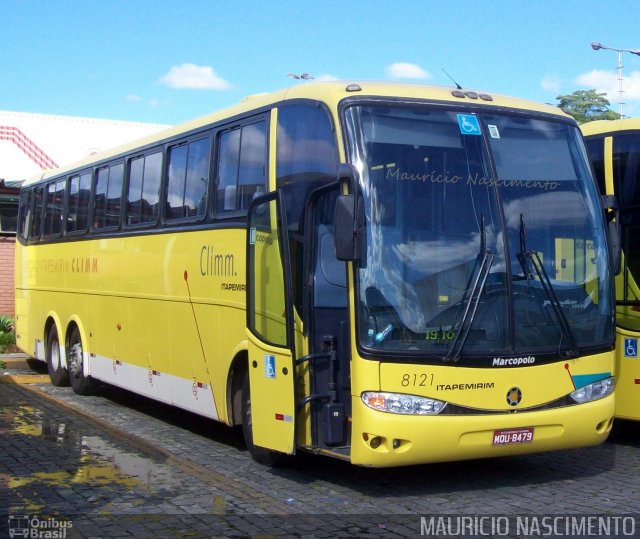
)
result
[(269, 326)]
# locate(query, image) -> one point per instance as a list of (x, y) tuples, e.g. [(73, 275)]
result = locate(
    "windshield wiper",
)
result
[(472, 299), (524, 255), (532, 258)]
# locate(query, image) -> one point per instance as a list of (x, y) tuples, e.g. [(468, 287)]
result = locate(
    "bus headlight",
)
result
[(399, 403), (595, 391)]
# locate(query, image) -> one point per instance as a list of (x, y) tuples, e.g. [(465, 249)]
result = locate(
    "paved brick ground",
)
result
[(117, 465)]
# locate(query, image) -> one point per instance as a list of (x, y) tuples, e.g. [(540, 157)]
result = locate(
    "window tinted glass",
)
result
[(476, 225), (242, 162), (188, 180), (151, 187), (26, 196), (174, 209), (195, 193), (114, 195), (36, 221), (145, 174), (9, 218), (134, 198), (100, 197), (595, 147), (78, 203), (229, 156), (626, 176), (306, 155), (53, 211)]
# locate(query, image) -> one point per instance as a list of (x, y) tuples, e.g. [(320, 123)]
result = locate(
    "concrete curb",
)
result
[(14, 355), (22, 379)]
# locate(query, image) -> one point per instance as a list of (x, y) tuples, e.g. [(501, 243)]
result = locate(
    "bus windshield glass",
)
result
[(483, 237)]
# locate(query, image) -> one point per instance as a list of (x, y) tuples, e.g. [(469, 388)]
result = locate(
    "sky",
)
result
[(161, 61)]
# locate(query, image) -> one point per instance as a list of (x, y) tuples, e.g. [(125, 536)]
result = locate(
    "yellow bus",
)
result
[(614, 150), (387, 274)]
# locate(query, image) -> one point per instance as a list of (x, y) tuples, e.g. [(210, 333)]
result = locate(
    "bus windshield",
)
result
[(483, 240)]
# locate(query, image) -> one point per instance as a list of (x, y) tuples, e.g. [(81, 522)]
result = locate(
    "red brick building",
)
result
[(7, 303), (8, 214)]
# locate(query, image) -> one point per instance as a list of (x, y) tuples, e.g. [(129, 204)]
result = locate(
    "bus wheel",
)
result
[(259, 454), (81, 384), (57, 373)]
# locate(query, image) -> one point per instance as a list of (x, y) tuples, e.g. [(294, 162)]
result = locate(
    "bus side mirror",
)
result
[(348, 218), (610, 204), (348, 228)]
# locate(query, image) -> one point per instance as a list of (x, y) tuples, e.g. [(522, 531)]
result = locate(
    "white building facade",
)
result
[(30, 143)]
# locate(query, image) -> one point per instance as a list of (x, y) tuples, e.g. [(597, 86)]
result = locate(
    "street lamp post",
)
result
[(597, 46)]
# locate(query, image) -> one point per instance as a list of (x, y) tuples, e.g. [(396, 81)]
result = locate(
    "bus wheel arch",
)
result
[(54, 355), (239, 367), (81, 383)]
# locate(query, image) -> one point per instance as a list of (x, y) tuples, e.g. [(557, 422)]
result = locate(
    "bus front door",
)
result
[(269, 401)]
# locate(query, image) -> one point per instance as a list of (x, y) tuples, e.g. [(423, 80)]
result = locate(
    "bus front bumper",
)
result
[(382, 439)]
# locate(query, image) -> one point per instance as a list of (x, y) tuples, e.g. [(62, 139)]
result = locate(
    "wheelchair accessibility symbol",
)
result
[(469, 124), (269, 366), (631, 347)]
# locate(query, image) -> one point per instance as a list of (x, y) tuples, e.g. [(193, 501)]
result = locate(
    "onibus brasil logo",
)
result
[(38, 527)]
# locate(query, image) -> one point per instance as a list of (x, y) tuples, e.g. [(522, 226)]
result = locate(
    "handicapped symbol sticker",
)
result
[(269, 366), (631, 347), (469, 124)]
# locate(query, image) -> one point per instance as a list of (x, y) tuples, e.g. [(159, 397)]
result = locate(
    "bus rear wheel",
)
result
[(57, 373), (264, 456), (81, 384)]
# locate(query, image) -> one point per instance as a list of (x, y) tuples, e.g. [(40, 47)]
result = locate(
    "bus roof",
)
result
[(331, 93), (600, 127)]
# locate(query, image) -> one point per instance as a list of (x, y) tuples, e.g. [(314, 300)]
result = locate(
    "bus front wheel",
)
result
[(81, 384), (58, 374), (259, 454)]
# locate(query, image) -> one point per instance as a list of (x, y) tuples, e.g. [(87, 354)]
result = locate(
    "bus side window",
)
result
[(78, 203), (25, 213), (143, 198), (37, 207), (242, 167), (107, 197), (54, 207), (188, 178)]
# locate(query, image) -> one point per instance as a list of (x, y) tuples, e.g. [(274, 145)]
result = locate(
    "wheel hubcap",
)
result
[(55, 355), (75, 360)]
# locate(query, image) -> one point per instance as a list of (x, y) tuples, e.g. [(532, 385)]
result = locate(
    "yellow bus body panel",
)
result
[(159, 303), (628, 376)]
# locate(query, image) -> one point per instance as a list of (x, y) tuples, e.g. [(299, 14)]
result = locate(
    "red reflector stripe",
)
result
[(637, 380), (279, 417)]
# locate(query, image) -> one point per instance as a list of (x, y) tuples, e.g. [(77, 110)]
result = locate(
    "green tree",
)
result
[(586, 106)]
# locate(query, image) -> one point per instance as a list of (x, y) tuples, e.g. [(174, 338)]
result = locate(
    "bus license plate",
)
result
[(513, 436)]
